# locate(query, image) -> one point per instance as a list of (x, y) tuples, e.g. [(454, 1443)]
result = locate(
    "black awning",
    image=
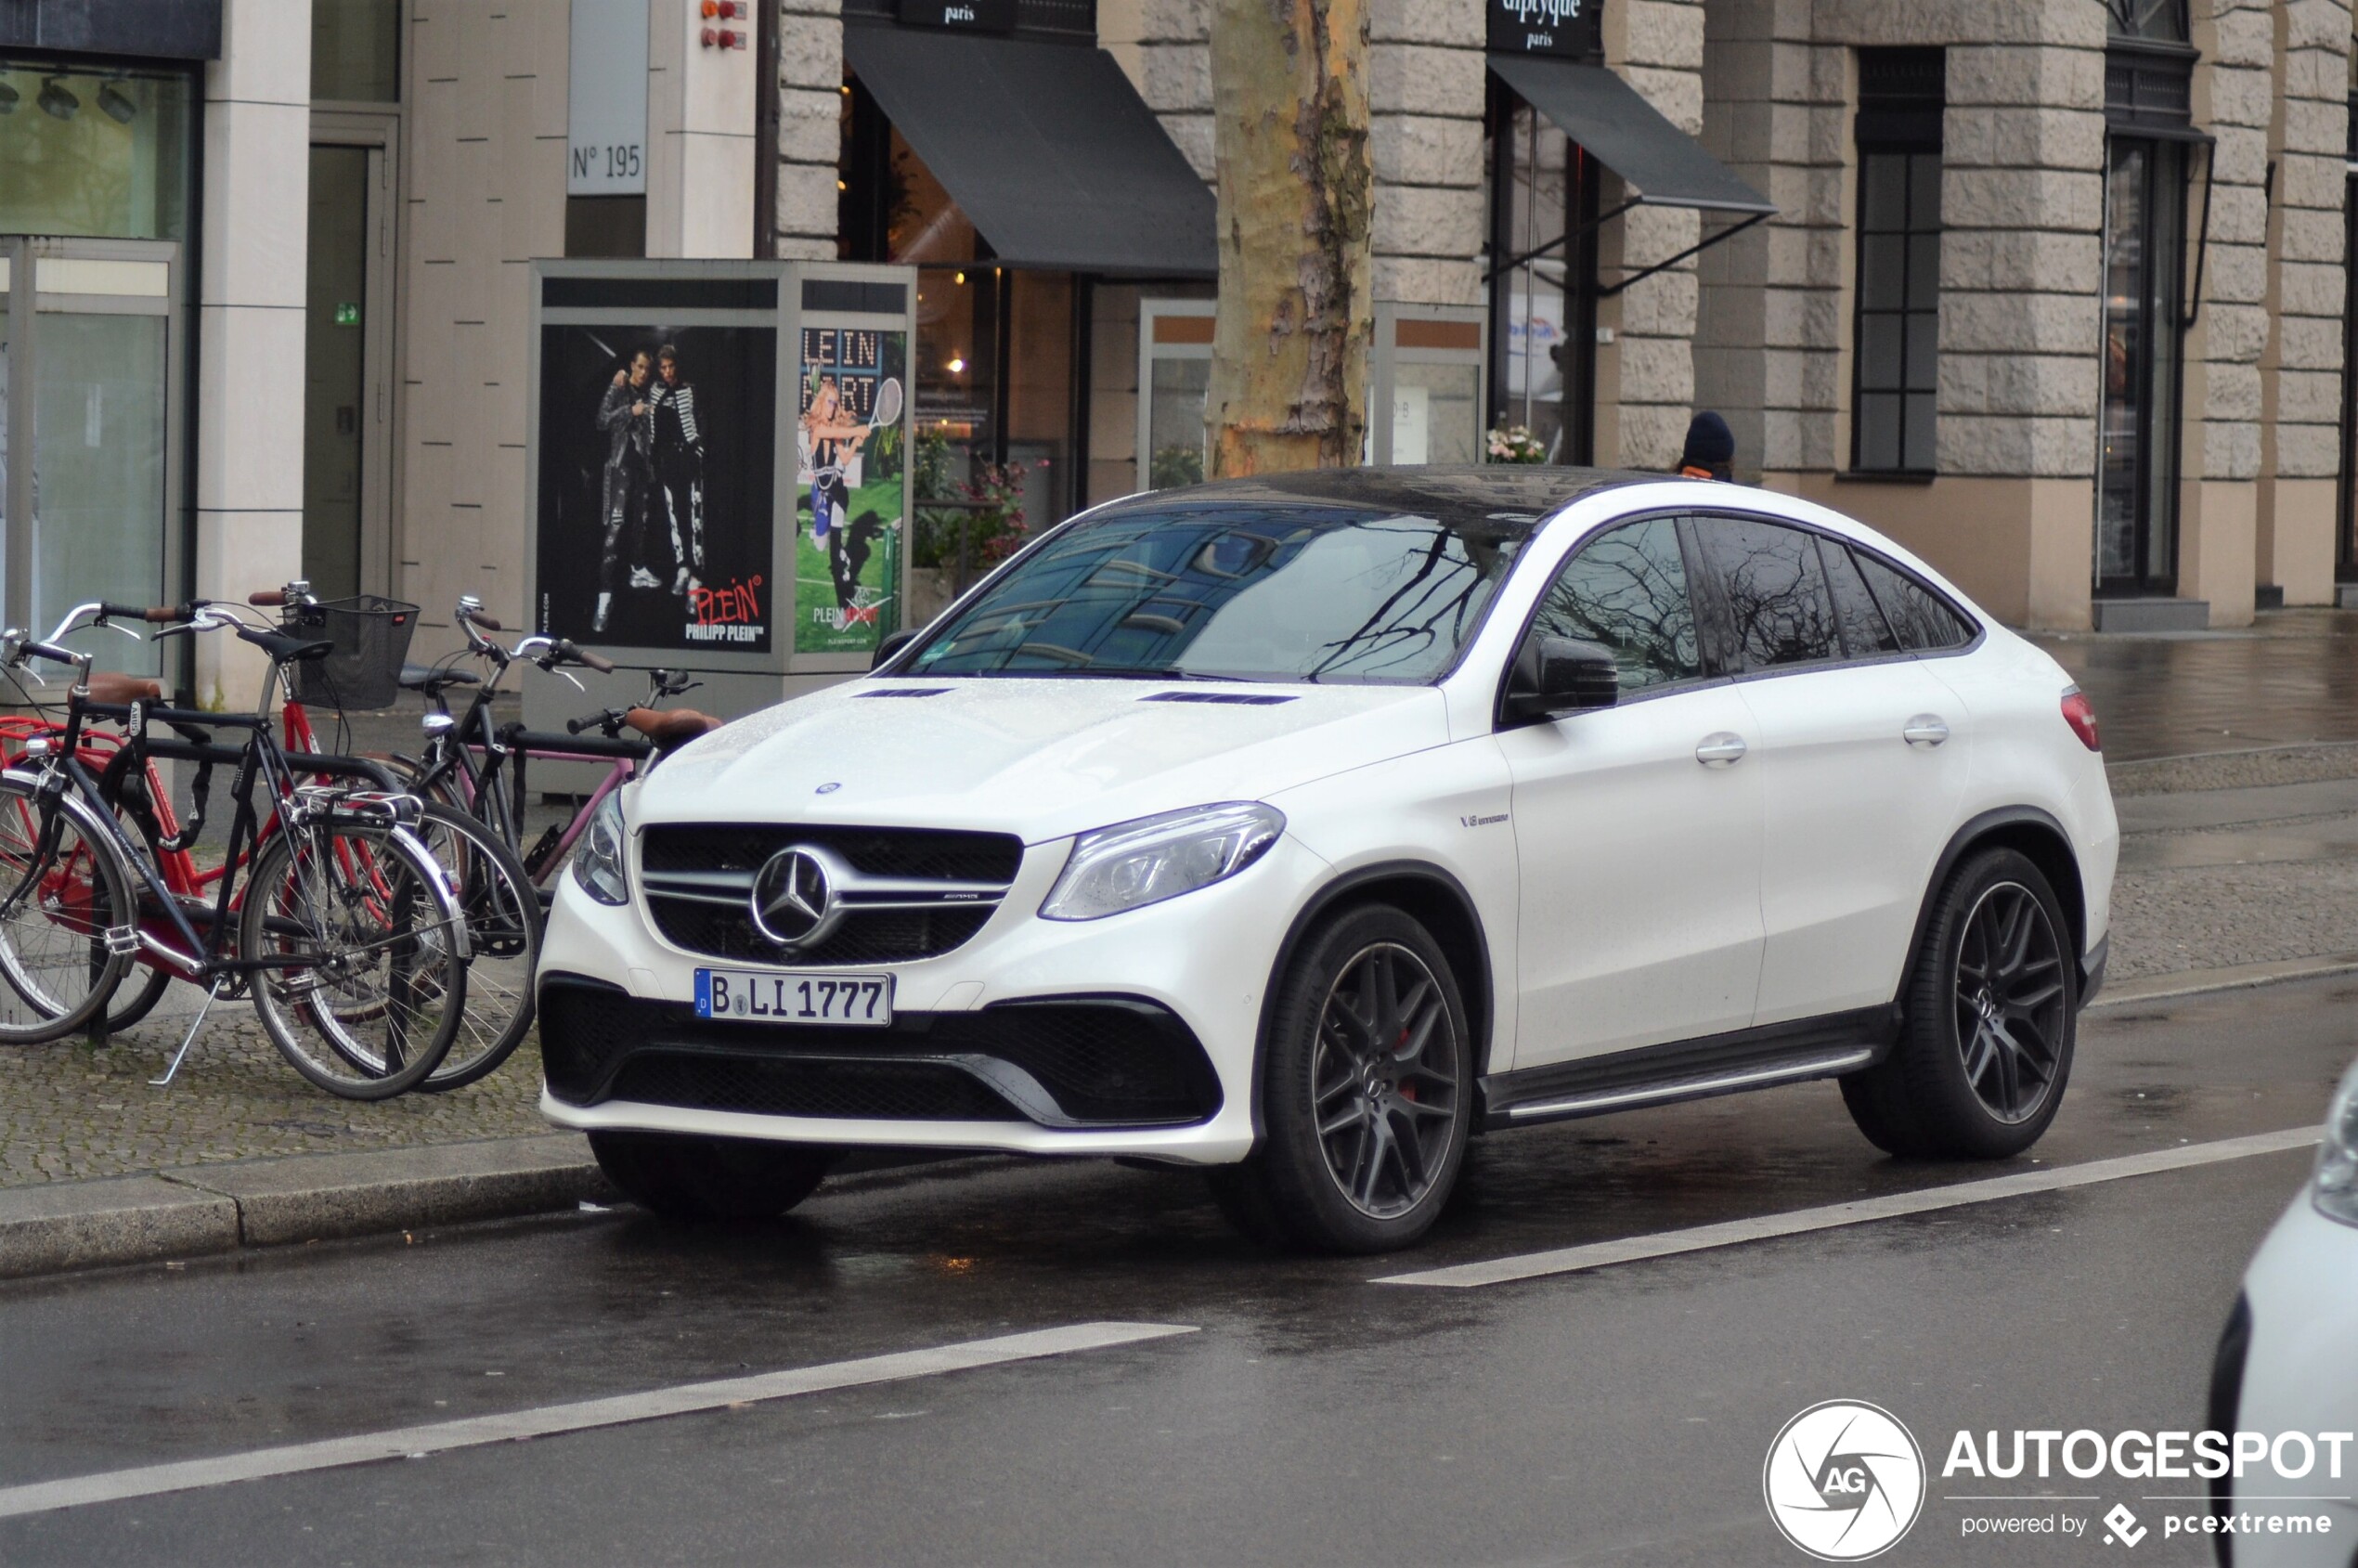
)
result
[(1627, 135), (1046, 146)]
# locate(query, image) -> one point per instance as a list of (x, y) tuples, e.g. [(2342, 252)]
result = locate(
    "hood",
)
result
[(1040, 758)]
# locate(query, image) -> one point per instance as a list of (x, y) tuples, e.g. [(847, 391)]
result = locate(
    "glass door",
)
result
[(2137, 472), (89, 447)]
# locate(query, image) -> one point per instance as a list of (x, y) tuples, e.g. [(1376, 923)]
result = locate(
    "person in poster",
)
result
[(851, 483), (678, 470), (626, 417)]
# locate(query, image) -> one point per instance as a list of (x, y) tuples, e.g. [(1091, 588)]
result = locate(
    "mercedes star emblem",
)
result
[(793, 897)]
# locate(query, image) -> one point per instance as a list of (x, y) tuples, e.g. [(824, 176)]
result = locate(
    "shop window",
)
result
[(1896, 329), (94, 154), (355, 51), (1543, 305)]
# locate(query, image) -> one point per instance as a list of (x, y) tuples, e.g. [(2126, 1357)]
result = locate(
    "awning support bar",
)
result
[(1696, 249)]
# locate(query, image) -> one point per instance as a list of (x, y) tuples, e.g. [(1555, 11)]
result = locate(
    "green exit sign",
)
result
[(347, 314)]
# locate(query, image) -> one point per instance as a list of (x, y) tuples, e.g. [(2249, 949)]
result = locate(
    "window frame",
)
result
[(1890, 126)]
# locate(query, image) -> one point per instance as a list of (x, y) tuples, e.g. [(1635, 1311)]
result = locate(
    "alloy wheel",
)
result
[(1383, 1079), (2009, 1002)]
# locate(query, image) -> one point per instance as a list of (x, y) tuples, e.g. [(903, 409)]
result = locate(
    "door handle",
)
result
[(1924, 729), (1720, 750)]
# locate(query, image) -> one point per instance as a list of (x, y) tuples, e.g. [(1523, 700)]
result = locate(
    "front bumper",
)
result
[(1159, 1007)]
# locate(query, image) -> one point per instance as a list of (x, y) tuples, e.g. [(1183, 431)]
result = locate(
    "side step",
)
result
[(1692, 1069)]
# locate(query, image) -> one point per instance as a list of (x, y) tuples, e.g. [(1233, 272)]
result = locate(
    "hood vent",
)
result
[(1233, 699), (903, 691)]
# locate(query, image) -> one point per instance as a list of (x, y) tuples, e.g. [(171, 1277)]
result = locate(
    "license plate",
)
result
[(770, 996)]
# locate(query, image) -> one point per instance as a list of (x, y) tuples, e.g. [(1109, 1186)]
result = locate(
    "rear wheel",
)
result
[(1366, 1090), (503, 919), (1992, 1012), (682, 1177)]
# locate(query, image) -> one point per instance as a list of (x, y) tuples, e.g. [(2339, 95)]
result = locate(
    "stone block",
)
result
[(806, 206), (2240, 98), (2043, 386), (2054, 138), (2022, 198), (2315, 125), (1424, 220), (1663, 306), (1803, 319), (1164, 21), (2309, 289), (1660, 33), (2317, 24), (2305, 343), (2308, 397), (1177, 77), (1192, 134), (1427, 280), (2230, 449), (2307, 235), (811, 52), (1419, 149), (2016, 323), (1425, 78), (2229, 392), (1652, 435), (2234, 334), (1656, 370), (2312, 180), (2026, 74), (62, 1225), (1677, 95), (809, 125), (1651, 234), (1426, 21), (2242, 36), (2309, 452), (1980, 443)]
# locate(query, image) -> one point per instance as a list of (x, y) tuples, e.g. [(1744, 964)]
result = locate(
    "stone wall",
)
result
[(810, 126), (1649, 380), (1426, 86)]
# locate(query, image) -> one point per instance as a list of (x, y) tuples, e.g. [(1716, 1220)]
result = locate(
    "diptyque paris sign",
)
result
[(1546, 27)]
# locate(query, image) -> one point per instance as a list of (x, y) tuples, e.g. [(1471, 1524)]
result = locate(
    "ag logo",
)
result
[(1844, 1481)]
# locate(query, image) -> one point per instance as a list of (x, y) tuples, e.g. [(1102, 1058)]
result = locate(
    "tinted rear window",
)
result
[(1777, 604), (1922, 619)]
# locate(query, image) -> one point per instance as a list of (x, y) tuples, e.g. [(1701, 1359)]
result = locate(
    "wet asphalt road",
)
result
[(1620, 1416)]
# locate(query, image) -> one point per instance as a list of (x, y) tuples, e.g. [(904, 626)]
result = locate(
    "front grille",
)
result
[(785, 1086), (974, 869), (1085, 1062)]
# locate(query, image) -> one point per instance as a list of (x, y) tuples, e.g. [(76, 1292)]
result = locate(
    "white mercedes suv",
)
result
[(1298, 828)]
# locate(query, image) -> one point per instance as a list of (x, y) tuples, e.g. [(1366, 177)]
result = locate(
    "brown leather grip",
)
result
[(268, 598), (598, 662), (163, 615), (485, 620)]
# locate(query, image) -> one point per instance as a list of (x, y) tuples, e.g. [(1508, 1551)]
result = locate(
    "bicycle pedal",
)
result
[(543, 847)]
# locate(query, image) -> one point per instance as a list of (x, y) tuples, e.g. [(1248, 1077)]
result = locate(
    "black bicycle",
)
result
[(330, 912)]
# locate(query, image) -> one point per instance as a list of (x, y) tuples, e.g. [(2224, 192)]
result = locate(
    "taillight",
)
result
[(2081, 714)]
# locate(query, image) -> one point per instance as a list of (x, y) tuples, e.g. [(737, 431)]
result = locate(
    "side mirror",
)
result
[(892, 644), (1554, 675)]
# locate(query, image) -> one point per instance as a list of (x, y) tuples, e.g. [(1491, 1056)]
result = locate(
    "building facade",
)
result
[(2053, 291)]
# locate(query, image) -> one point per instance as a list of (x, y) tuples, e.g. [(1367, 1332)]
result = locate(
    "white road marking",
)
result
[(582, 1416), (1733, 1233)]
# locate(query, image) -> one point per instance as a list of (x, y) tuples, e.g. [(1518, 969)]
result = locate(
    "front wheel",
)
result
[(1366, 1090), (361, 977), (503, 920), (1992, 1011), (68, 916), (682, 1177)]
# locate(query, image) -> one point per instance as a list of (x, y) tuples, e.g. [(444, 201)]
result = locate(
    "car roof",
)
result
[(1451, 495)]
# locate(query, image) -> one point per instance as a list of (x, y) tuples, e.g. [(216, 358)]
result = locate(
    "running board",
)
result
[(1693, 1069)]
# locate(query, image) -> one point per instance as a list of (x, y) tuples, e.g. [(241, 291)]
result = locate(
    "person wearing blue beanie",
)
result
[(1711, 448)]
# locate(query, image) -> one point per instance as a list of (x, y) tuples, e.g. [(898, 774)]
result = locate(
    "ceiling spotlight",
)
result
[(56, 101), (119, 106), (8, 98), (957, 367)]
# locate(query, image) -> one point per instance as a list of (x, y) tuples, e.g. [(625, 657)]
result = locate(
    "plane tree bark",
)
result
[(1295, 188)]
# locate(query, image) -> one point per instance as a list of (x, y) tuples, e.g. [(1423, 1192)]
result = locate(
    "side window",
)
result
[(1627, 590), (1781, 611), (1865, 632), (1922, 618)]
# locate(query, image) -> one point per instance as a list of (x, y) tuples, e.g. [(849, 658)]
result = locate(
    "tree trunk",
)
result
[(1289, 116)]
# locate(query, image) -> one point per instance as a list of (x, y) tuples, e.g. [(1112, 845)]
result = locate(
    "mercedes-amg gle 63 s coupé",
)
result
[(1299, 828)]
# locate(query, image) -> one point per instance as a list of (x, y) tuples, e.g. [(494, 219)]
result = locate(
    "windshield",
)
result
[(1273, 591)]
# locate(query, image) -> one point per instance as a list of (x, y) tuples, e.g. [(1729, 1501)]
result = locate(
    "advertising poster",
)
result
[(657, 486), (850, 448)]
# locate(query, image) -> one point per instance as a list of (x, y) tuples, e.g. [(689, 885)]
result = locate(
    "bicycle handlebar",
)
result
[(563, 650), (610, 721), (268, 598)]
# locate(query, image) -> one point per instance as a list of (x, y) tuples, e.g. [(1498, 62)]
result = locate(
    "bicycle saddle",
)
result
[(429, 680), (676, 728), (116, 691), (285, 649)]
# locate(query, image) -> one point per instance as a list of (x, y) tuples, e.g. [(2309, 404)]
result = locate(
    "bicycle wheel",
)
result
[(502, 913), (143, 984), (66, 915), (362, 976)]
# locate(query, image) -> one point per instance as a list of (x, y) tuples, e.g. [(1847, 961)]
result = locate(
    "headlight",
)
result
[(1132, 865), (599, 865), (2336, 1188)]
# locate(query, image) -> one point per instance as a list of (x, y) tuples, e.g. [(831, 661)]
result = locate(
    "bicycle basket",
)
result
[(363, 670)]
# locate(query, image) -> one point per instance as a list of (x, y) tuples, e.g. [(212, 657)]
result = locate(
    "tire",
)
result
[(1991, 1016), (56, 970), (367, 1001), (504, 927), (143, 984), (1367, 1038), (682, 1177)]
